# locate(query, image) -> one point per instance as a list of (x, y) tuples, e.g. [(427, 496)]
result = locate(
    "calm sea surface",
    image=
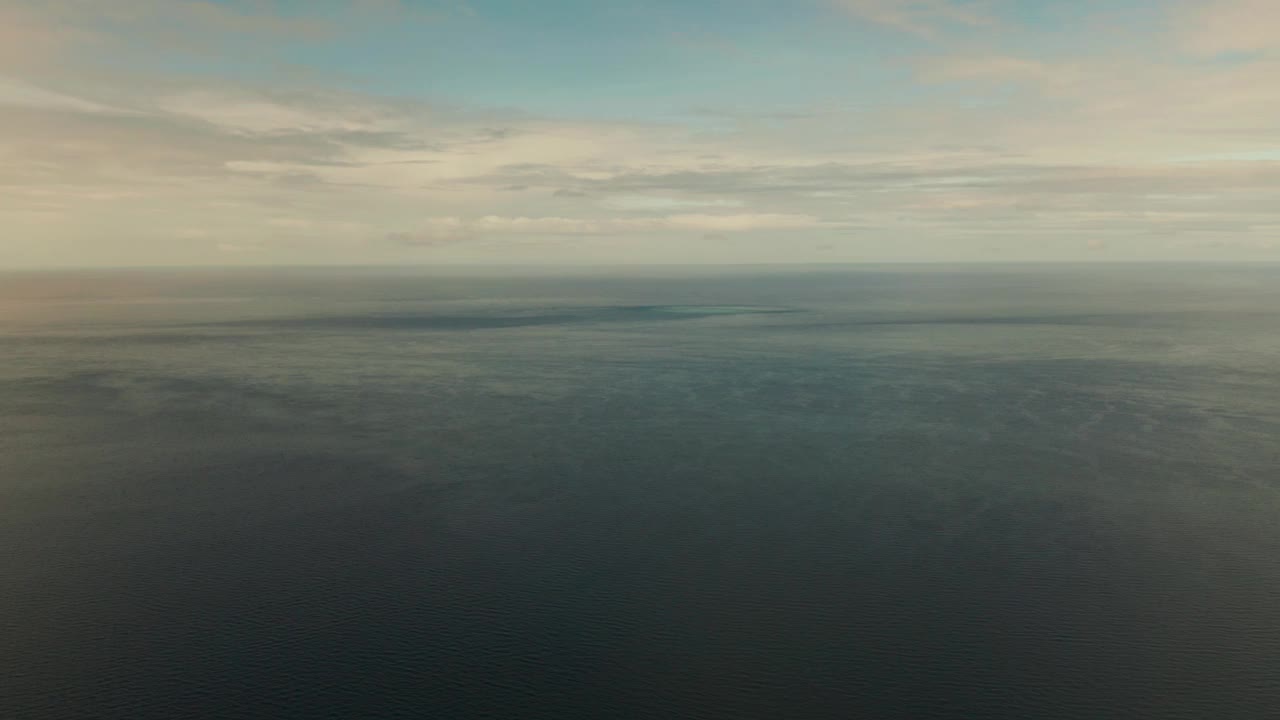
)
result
[(985, 492)]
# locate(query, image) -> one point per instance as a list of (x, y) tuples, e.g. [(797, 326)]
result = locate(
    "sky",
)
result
[(601, 132)]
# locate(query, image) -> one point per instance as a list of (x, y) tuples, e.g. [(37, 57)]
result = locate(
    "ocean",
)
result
[(850, 492)]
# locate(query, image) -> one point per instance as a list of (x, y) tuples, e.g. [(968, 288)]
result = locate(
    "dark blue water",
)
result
[(886, 493)]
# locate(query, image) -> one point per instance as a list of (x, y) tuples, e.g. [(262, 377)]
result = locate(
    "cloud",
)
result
[(1213, 27), (1091, 141), (439, 231), (39, 34), (181, 16), (44, 34), (660, 203), (920, 17), (15, 93), (237, 248), (446, 230), (936, 184), (1238, 244), (745, 222), (998, 68), (240, 112), (29, 40)]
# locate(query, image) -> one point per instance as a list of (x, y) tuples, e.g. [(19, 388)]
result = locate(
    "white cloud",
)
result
[(248, 115), (15, 93), (660, 203), (441, 230), (1211, 27), (1075, 147), (922, 17), (744, 222), (226, 247)]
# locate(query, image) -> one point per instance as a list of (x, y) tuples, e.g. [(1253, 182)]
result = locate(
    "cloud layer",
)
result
[(185, 132)]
